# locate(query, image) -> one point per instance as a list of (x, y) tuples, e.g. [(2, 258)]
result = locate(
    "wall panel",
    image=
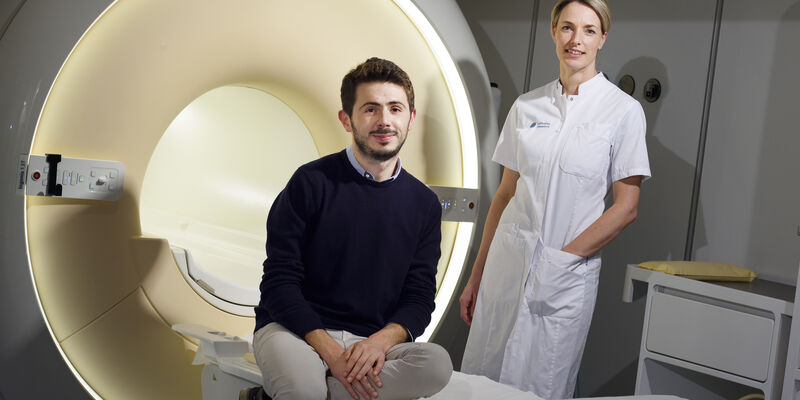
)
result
[(750, 195)]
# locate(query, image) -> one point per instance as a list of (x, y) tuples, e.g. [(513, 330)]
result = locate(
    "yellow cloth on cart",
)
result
[(702, 270)]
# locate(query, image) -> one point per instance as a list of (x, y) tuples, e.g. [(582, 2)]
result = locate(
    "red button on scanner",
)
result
[(36, 175)]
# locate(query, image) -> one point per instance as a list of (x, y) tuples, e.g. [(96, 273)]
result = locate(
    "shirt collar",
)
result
[(361, 171), (583, 88)]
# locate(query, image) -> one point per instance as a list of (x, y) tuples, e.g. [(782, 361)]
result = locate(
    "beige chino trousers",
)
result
[(292, 369)]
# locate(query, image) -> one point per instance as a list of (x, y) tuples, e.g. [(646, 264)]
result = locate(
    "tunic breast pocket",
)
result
[(535, 147), (587, 151)]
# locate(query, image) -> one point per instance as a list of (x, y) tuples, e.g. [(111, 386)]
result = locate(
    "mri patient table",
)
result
[(229, 367)]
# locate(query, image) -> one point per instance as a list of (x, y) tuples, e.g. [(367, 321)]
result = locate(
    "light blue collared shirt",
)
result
[(352, 157)]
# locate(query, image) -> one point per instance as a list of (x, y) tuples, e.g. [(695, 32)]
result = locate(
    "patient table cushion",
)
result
[(704, 271)]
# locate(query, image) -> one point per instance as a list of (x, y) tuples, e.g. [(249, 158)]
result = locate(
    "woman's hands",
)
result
[(508, 186), (468, 299)]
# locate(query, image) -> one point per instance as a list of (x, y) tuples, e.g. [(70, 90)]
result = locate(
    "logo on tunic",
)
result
[(538, 124)]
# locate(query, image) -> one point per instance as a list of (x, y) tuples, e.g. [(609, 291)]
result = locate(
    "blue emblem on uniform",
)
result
[(538, 124)]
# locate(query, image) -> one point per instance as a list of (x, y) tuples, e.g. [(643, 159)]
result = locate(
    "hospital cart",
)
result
[(710, 340)]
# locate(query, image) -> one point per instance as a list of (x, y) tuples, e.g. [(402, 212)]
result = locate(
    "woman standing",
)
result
[(532, 290)]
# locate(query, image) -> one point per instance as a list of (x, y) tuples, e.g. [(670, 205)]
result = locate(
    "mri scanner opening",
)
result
[(214, 217), (210, 109)]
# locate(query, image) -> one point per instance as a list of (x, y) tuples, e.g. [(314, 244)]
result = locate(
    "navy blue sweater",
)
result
[(348, 253)]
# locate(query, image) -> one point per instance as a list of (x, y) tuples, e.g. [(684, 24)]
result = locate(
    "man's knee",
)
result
[(290, 368), (433, 368), (299, 389), (439, 367)]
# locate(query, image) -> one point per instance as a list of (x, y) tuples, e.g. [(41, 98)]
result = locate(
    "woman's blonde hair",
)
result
[(600, 7)]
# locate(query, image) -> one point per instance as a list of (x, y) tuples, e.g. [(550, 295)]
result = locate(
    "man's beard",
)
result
[(377, 155)]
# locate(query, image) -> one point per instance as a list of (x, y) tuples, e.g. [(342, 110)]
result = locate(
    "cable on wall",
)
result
[(526, 87), (5, 26), (701, 147)]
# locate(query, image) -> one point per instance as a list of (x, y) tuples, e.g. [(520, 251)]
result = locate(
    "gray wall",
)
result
[(747, 213), (750, 190)]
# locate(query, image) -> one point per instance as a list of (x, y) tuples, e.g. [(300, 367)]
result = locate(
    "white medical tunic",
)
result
[(535, 301)]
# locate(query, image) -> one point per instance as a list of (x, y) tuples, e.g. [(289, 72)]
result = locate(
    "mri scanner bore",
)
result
[(205, 108), (221, 252)]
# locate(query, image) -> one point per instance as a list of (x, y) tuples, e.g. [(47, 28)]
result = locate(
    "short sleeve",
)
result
[(506, 151), (629, 151)]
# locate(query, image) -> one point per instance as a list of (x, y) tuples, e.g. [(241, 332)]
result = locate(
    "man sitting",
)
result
[(352, 249)]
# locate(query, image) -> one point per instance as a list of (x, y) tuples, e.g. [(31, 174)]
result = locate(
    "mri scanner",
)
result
[(147, 150)]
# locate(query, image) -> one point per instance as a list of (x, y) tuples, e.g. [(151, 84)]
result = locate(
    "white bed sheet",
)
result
[(473, 387)]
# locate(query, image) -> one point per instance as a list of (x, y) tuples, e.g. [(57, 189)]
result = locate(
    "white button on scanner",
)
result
[(111, 186), (92, 174), (91, 185), (73, 178), (112, 174)]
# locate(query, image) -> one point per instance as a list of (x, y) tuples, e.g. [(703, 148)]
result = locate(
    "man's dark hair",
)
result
[(374, 70)]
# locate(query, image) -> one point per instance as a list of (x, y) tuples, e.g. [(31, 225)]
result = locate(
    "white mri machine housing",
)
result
[(179, 92)]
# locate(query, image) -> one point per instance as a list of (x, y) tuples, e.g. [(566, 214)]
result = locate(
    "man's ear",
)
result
[(411, 119), (345, 120)]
